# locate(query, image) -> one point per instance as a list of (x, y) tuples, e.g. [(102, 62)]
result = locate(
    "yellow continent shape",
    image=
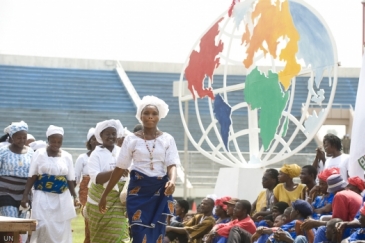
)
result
[(275, 21)]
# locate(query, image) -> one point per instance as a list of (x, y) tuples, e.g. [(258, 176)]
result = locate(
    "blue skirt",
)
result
[(148, 207)]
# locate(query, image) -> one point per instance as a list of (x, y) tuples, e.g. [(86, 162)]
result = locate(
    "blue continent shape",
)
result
[(222, 112), (315, 43)]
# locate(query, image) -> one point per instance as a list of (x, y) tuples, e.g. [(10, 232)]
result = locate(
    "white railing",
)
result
[(127, 83), (334, 105)]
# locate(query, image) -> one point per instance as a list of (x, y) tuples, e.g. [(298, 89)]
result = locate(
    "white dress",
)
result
[(81, 168), (102, 160), (134, 150), (52, 211)]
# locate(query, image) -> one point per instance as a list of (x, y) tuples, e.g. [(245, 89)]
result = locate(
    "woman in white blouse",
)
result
[(52, 174), (153, 174), (82, 175), (113, 226)]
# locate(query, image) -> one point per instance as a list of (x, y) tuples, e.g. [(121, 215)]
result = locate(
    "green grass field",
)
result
[(78, 229)]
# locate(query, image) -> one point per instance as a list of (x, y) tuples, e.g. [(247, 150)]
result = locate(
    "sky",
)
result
[(143, 30)]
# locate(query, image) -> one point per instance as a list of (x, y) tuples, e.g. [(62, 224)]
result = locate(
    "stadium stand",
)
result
[(77, 99)]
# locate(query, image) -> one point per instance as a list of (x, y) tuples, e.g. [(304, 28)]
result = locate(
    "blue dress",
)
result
[(14, 170)]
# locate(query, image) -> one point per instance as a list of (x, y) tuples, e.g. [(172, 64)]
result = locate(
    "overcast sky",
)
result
[(142, 30)]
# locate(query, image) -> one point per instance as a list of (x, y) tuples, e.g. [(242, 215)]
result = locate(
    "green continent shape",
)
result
[(265, 93)]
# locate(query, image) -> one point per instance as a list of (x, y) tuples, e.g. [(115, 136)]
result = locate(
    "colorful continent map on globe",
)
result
[(203, 63), (288, 21), (271, 17), (265, 93), (222, 112)]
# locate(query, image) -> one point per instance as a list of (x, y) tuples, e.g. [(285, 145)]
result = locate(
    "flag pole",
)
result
[(363, 26), (357, 148)]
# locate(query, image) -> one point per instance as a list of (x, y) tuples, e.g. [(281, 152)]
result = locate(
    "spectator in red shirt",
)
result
[(345, 205), (242, 224)]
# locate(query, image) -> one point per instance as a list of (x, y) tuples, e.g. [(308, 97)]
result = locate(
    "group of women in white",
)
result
[(45, 180)]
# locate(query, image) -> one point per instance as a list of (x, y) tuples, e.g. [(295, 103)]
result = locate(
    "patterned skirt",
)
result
[(84, 189), (83, 198), (148, 207), (111, 227)]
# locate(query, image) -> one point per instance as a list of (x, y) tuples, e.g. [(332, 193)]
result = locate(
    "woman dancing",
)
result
[(153, 173), (112, 226), (53, 176)]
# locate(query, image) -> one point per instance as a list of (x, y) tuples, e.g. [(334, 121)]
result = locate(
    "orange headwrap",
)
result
[(220, 202), (327, 173), (358, 182)]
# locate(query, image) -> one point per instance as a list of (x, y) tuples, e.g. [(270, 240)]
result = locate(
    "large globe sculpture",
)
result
[(285, 55)]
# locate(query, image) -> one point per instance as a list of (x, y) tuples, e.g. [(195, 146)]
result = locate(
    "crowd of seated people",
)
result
[(324, 207)]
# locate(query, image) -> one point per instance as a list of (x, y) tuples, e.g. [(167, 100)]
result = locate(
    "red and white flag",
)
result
[(357, 148)]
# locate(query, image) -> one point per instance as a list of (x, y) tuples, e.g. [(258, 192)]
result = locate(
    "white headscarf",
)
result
[(30, 136), (37, 145), (16, 127), (101, 126), (54, 130), (7, 129), (162, 107), (123, 133), (90, 133)]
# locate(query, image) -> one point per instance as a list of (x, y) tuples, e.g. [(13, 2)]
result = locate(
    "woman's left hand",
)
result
[(169, 188), (102, 204), (77, 202)]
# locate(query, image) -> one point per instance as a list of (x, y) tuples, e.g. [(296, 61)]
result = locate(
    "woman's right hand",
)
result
[(102, 205), (24, 202)]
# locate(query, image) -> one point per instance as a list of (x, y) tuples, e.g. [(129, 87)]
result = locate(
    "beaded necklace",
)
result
[(150, 151)]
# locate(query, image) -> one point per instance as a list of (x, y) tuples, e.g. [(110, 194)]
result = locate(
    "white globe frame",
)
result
[(226, 158)]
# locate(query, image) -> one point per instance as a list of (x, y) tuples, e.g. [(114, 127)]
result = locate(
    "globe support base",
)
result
[(242, 183)]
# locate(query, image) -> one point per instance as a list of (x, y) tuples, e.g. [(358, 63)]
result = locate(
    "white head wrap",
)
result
[(16, 127), (101, 126), (90, 133), (7, 129), (37, 145), (30, 136), (123, 132), (162, 107), (54, 130)]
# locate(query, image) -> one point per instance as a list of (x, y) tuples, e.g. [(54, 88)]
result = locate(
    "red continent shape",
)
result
[(230, 10), (203, 63)]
